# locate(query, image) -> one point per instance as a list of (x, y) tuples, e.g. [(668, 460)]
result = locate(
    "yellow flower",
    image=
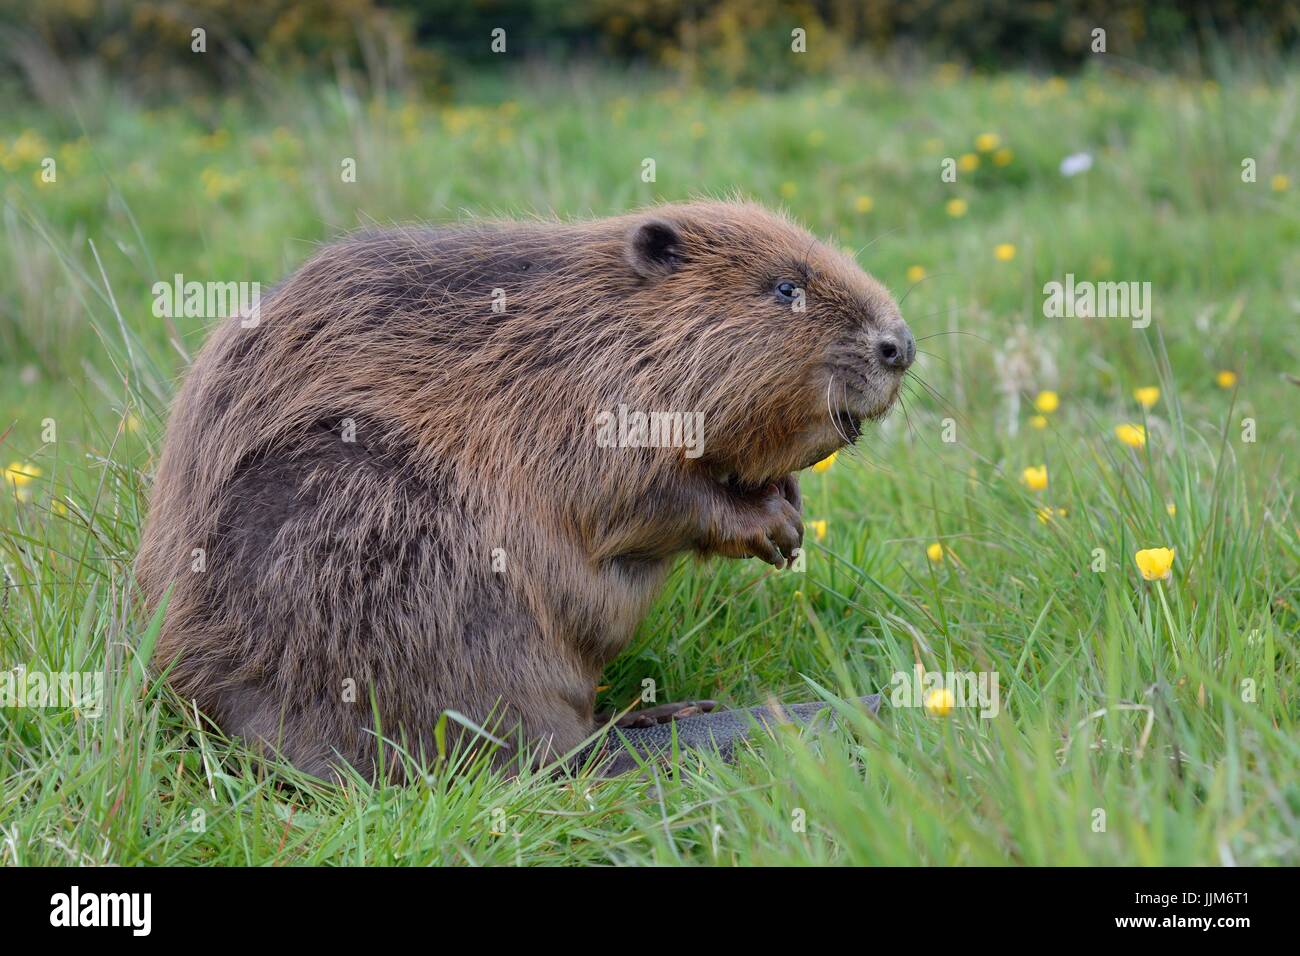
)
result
[(818, 528), (1147, 396), (1280, 183), (1047, 402), (19, 474), (940, 702), (956, 208), (935, 552), (1226, 379), (825, 463), (789, 189), (968, 162), (1004, 252), (1135, 436), (864, 204), (915, 273), (1035, 477), (1172, 509), (217, 184), (1154, 563), (1038, 421), (1003, 157), (1049, 514), (987, 142), (29, 147)]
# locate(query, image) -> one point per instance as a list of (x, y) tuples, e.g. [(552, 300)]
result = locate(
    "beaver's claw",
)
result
[(769, 528)]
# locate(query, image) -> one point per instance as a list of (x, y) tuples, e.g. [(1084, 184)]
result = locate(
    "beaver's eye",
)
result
[(785, 291)]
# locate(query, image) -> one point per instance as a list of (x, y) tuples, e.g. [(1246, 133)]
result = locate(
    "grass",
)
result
[(1140, 722)]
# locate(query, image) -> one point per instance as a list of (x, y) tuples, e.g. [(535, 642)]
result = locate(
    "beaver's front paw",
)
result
[(767, 526)]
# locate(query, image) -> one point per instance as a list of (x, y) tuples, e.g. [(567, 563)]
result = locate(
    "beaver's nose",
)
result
[(896, 348)]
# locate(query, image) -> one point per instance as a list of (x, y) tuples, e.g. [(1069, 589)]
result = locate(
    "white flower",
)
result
[(1076, 163)]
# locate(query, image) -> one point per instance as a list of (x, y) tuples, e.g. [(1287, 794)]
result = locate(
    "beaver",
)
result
[(385, 496)]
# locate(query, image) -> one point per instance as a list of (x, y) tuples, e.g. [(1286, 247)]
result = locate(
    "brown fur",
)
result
[(373, 559)]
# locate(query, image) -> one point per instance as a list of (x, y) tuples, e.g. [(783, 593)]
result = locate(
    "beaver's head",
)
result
[(782, 343)]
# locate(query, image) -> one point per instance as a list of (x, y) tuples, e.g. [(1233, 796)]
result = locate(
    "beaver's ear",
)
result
[(654, 248)]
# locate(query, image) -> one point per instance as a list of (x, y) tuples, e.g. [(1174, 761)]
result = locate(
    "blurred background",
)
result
[(434, 44), (1158, 142), (206, 137)]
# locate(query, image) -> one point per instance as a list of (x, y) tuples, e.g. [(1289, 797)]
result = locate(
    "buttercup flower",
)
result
[(818, 527), (968, 162), (1155, 563), (825, 463), (955, 208), (987, 142), (1047, 402), (19, 474), (935, 552), (940, 702), (1035, 477), (1147, 396), (1226, 379), (915, 273), (1135, 436), (1004, 252), (864, 204), (1280, 183), (1038, 421), (1172, 509), (1003, 157)]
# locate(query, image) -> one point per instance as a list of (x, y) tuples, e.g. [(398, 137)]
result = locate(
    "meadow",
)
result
[(990, 525)]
